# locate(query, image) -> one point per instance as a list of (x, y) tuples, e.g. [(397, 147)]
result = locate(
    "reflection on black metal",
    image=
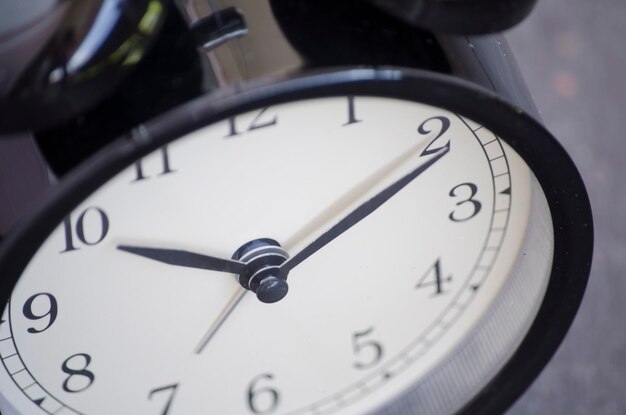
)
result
[(218, 28)]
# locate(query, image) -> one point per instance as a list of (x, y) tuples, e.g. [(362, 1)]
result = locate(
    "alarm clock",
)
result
[(330, 210)]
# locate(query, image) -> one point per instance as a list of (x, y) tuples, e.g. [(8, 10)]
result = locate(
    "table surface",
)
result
[(572, 55)]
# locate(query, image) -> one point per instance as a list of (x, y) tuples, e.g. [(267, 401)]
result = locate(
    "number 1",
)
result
[(352, 119)]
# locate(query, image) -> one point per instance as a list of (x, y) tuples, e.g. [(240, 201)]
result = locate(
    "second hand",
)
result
[(230, 306)]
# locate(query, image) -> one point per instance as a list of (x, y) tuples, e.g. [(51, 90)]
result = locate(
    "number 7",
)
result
[(171, 398)]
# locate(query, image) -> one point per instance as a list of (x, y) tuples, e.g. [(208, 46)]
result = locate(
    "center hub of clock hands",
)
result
[(261, 274)]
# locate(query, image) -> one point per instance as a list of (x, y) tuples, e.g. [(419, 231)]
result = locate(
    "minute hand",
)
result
[(358, 214)]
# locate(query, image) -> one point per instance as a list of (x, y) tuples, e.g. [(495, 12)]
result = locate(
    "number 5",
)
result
[(360, 344)]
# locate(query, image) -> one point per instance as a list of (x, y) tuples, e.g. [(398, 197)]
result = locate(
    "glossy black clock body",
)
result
[(317, 39), (305, 36), (59, 58), (460, 17)]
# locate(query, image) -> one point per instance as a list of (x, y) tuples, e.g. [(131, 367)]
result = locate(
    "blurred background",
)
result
[(572, 55)]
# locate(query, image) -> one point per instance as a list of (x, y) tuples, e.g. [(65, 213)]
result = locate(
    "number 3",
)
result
[(476, 205)]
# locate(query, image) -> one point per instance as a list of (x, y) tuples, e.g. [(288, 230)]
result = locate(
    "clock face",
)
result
[(412, 289)]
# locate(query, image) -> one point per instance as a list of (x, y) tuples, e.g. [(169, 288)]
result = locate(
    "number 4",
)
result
[(433, 277)]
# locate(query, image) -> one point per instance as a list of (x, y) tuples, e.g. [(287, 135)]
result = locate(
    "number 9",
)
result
[(51, 313)]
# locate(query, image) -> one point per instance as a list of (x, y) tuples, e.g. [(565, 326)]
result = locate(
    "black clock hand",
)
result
[(186, 259), (357, 215), (253, 265)]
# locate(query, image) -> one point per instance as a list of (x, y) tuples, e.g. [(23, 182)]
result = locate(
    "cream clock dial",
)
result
[(319, 256)]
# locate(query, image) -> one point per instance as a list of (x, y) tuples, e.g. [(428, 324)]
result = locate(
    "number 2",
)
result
[(445, 125), (258, 122)]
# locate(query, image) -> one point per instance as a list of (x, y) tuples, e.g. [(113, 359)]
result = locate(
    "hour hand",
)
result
[(186, 258)]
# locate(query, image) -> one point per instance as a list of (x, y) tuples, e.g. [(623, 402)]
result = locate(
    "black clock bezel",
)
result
[(558, 176)]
